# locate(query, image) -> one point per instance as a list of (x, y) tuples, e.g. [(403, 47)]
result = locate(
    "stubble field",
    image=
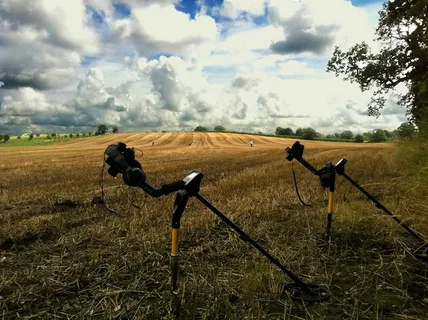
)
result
[(63, 258)]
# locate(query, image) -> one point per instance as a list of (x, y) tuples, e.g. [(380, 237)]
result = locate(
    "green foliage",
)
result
[(219, 128), (89, 133), (1, 137), (31, 136), (406, 130), (101, 129), (378, 136), (5, 137), (388, 134), (37, 135), (284, 131), (18, 137), (348, 134), (48, 137), (299, 132), (359, 138), (77, 135), (310, 134), (200, 129), (115, 129), (70, 135), (403, 31), (83, 134)]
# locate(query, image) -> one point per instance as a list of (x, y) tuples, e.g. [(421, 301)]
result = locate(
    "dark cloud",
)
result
[(65, 119), (303, 42), (40, 47), (291, 115), (302, 36), (187, 116), (110, 104), (14, 81), (245, 83), (34, 64), (241, 113)]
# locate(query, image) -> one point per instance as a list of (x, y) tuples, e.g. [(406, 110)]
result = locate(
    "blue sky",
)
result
[(192, 8)]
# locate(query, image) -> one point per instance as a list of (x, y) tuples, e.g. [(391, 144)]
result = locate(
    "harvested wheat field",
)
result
[(63, 258)]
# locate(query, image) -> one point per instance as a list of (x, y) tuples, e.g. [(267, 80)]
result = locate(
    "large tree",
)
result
[(406, 130), (347, 134), (284, 131), (101, 129), (403, 58), (201, 129), (378, 135), (309, 134)]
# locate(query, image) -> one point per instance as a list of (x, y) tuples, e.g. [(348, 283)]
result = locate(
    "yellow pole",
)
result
[(330, 201), (174, 272), (174, 244)]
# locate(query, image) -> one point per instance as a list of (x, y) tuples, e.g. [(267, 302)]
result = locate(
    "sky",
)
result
[(153, 65)]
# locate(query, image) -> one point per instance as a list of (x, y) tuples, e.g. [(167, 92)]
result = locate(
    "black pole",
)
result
[(382, 207), (180, 203), (331, 189), (245, 237)]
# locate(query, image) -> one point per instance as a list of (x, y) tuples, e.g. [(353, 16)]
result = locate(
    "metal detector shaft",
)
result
[(382, 207), (247, 238), (307, 165)]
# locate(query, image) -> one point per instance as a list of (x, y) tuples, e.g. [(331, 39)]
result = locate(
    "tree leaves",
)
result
[(403, 31)]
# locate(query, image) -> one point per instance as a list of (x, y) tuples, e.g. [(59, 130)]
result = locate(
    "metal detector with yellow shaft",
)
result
[(122, 160), (327, 177)]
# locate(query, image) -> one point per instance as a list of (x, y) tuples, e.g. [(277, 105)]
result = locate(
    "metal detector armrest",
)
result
[(296, 152)]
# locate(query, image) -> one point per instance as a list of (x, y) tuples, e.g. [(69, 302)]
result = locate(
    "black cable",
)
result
[(296, 188), (139, 207), (101, 183)]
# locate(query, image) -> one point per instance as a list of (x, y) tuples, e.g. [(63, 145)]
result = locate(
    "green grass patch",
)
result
[(24, 142)]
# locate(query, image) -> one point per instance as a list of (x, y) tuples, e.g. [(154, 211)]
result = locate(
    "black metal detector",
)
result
[(296, 152), (122, 160), (327, 176)]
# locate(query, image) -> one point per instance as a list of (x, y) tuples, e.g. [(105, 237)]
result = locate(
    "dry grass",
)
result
[(83, 263)]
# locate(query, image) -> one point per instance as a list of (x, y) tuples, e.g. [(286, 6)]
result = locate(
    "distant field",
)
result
[(82, 262)]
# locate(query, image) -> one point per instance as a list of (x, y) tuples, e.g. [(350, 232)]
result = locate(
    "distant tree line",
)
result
[(405, 130), (205, 129)]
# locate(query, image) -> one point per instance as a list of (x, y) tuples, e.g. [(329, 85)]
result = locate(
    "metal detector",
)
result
[(327, 178), (122, 160)]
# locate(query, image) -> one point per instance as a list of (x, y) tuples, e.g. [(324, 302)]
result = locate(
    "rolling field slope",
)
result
[(61, 257)]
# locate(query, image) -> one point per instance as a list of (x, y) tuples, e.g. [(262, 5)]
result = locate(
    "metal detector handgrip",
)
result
[(172, 187), (164, 189), (191, 183)]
